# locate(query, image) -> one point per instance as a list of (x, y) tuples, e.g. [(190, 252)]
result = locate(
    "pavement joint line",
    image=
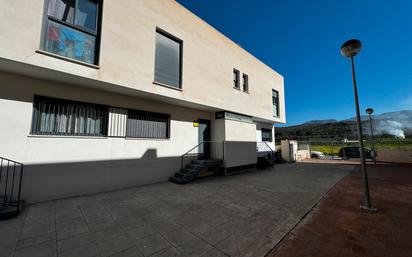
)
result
[(55, 227), (306, 214)]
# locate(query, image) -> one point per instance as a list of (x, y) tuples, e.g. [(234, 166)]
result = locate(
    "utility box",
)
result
[(289, 150)]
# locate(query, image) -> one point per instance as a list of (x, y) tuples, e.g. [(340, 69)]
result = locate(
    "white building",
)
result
[(96, 95)]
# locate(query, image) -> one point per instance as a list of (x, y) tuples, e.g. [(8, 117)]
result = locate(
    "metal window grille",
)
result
[(267, 135), (117, 122), (141, 124), (62, 117)]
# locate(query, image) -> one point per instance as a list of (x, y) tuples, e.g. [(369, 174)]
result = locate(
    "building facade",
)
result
[(97, 95)]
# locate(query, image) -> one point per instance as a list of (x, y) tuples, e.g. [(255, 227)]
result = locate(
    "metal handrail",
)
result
[(10, 197), (270, 148), (192, 156)]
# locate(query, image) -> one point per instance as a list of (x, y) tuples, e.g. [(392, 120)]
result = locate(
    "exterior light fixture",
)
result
[(369, 111), (349, 49)]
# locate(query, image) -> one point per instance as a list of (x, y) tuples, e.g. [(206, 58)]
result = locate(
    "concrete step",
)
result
[(8, 210)]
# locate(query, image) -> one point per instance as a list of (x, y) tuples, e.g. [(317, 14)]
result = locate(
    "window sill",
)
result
[(147, 138), (68, 59), (168, 86), (237, 88), (71, 137)]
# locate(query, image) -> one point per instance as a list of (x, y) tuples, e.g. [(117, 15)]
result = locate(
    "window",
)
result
[(245, 83), (168, 60), (236, 79), (69, 118), (142, 124), (275, 102), (71, 29), (267, 135)]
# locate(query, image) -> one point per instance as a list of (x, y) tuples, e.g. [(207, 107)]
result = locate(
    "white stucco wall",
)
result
[(59, 167), (127, 56)]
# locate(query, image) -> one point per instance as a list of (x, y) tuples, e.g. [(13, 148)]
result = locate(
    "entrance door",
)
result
[(204, 137)]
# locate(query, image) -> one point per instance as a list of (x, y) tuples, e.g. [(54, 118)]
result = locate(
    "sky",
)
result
[(301, 40)]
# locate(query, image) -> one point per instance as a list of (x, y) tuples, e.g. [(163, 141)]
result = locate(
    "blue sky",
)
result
[(301, 39)]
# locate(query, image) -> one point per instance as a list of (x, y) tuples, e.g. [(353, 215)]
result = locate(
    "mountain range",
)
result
[(388, 124)]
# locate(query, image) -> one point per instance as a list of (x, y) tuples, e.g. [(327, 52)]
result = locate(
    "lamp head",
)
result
[(351, 48), (369, 111)]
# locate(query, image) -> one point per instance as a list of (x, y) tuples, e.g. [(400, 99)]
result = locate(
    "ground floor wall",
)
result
[(63, 166)]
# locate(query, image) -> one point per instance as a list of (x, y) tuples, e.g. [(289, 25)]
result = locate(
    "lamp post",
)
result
[(349, 49), (369, 111)]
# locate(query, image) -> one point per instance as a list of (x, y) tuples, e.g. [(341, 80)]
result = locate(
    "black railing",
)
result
[(264, 147), (208, 150), (11, 174)]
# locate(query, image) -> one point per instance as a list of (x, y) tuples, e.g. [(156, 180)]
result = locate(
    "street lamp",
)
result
[(369, 111), (349, 49)]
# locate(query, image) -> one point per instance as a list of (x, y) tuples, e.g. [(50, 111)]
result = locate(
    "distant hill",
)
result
[(387, 124), (320, 121)]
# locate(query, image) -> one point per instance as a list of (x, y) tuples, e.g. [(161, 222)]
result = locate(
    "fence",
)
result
[(331, 147)]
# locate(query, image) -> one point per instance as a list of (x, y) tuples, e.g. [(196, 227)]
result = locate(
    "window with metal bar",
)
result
[(267, 135), (68, 118), (141, 124), (71, 29)]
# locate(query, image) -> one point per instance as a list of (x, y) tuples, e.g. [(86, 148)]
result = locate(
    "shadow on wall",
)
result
[(22, 89), (43, 182)]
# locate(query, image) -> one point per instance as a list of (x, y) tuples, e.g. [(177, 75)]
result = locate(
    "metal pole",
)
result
[(367, 205), (371, 138)]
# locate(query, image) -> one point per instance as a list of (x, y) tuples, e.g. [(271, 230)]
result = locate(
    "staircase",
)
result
[(198, 161), (193, 170), (11, 173)]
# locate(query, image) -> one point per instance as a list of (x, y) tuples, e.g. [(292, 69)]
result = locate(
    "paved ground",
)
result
[(337, 227), (241, 215)]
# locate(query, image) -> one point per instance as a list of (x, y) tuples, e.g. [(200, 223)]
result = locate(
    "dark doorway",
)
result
[(204, 138)]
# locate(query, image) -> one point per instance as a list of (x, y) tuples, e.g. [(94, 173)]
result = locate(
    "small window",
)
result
[(275, 102), (236, 79), (168, 60), (68, 118), (267, 135), (71, 29), (245, 83), (142, 124)]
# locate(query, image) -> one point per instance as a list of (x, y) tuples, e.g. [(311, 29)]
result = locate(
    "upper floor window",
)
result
[(71, 29), (168, 59), (245, 83), (275, 102), (236, 79)]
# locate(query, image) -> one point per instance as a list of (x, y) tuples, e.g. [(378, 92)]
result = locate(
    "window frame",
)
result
[(245, 82), (277, 114), (236, 83), (266, 131), (96, 34), (180, 41), (66, 101), (168, 125)]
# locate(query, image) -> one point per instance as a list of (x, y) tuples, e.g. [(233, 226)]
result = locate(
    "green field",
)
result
[(332, 148)]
